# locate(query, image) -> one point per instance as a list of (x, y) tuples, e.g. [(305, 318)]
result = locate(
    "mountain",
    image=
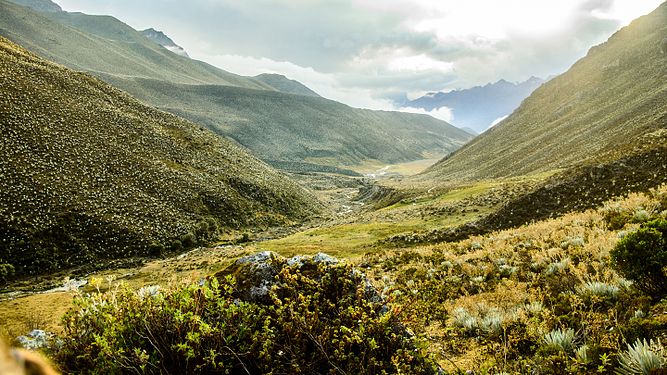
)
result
[(40, 5), (90, 174), (595, 112), (104, 44), (277, 126), (284, 84), (478, 107), (280, 128), (160, 38)]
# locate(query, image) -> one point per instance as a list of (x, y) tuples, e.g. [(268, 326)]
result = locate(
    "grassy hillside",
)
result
[(607, 100), (275, 126), (88, 173), (104, 44), (284, 84), (283, 127)]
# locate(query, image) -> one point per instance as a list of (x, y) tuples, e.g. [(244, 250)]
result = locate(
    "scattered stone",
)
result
[(36, 339)]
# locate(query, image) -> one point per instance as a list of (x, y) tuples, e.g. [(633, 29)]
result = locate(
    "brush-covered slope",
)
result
[(284, 84), (606, 101), (104, 44), (39, 5), (89, 173), (274, 125), (294, 128)]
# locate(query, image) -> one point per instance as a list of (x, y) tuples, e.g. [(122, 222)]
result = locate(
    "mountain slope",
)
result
[(88, 173), (286, 85), (104, 44), (39, 5), (275, 126), (160, 38), (280, 127), (605, 102), (478, 107)]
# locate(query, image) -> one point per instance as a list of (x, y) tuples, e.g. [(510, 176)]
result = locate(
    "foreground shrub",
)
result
[(642, 358), (299, 318), (641, 256)]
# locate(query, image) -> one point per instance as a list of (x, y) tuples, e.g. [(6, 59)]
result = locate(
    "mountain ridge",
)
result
[(162, 79), (478, 107), (605, 101), (89, 174), (286, 85), (162, 39)]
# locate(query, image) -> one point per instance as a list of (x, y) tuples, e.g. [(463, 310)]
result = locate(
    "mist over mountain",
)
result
[(160, 38), (479, 107)]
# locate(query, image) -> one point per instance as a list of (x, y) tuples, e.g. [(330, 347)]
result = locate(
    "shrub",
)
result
[(559, 340), (155, 249), (6, 271), (316, 319), (189, 240), (642, 358), (592, 290), (641, 256), (463, 319), (581, 354), (558, 267), (176, 245)]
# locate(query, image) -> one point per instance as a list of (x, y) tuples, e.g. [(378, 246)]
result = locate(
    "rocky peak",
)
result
[(162, 39)]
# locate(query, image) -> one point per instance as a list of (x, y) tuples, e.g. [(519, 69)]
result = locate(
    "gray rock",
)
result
[(36, 339), (324, 259)]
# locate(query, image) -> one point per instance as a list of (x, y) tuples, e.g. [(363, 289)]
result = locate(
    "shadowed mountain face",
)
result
[(479, 107), (604, 103), (89, 174), (279, 120)]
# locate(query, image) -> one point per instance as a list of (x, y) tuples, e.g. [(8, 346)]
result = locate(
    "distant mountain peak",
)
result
[(476, 108), (162, 39)]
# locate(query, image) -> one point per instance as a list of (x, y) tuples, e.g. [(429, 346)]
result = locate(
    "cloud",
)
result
[(497, 121), (371, 53), (442, 113)]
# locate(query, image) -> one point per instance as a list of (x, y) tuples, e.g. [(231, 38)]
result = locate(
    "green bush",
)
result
[(559, 340), (641, 256), (188, 240), (642, 358), (6, 271), (318, 322), (156, 249)]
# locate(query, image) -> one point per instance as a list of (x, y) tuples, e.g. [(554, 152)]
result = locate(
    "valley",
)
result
[(161, 215)]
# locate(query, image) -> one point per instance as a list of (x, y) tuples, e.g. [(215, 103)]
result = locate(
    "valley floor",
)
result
[(485, 302)]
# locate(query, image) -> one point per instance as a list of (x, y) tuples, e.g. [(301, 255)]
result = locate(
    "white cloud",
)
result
[(497, 121), (442, 113), (370, 53)]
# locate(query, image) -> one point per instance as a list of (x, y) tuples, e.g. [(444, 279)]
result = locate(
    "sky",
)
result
[(376, 53)]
